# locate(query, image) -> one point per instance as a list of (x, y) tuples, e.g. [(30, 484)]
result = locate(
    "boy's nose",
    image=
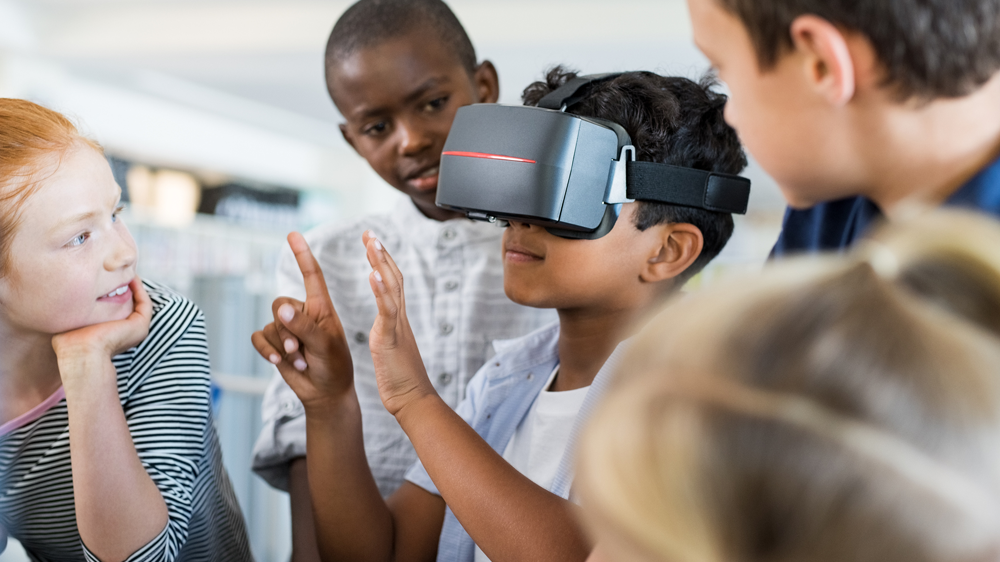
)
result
[(413, 138)]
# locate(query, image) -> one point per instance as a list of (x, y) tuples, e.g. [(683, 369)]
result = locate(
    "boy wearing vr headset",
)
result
[(856, 107), (397, 71), (495, 475)]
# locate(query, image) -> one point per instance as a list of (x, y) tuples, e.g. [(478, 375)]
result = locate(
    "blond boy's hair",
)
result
[(838, 408)]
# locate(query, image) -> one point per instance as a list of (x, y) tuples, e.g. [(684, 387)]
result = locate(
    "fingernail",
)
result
[(378, 245), (289, 345), (378, 276), (300, 364), (286, 312), (274, 358)]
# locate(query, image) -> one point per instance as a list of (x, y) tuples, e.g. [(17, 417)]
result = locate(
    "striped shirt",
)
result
[(163, 384), (456, 305)]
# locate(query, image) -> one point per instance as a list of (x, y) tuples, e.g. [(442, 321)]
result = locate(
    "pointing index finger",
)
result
[(317, 295)]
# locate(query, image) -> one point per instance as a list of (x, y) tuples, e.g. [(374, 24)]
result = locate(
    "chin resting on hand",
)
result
[(108, 339)]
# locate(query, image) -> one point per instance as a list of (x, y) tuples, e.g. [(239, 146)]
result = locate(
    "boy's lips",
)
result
[(517, 253), (425, 180)]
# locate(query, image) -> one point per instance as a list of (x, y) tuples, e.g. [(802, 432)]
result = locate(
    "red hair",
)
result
[(30, 137)]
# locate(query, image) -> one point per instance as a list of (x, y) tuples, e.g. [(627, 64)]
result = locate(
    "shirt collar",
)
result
[(982, 192), (543, 345), (542, 337)]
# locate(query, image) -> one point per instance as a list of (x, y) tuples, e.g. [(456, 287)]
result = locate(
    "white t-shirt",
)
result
[(540, 441)]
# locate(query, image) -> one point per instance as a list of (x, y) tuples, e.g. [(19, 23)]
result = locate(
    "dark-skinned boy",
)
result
[(397, 71)]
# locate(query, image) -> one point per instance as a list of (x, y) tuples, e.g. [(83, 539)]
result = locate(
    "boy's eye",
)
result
[(118, 211), (376, 128), (79, 239), (437, 103)]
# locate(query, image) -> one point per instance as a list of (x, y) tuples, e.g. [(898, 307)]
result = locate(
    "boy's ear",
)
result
[(347, 136), (830, 65), (679, 245), (487, 83)]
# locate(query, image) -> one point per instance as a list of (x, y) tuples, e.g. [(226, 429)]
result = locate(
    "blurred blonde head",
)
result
[(838, 408)]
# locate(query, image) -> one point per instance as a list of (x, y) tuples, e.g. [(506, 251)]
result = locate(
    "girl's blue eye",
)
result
[(118, 210), (79, 240)]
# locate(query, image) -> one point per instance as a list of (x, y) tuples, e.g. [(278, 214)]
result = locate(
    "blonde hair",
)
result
[(32, 139), (841, 408)]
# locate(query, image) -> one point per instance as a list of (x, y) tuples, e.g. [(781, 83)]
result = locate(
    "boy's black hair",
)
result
[(673, 121), (928, 48), (371, 22)]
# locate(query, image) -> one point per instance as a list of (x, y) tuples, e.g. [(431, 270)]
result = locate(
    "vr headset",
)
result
[(567, 173)]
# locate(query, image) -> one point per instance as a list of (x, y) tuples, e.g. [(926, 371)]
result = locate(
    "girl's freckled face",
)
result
[(70, 251)]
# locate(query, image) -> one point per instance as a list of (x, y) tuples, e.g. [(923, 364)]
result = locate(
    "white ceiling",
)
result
[(259, 62), (271, 51)]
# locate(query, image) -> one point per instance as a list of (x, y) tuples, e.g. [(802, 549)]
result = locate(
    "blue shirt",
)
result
[(837, 224), (498, 397)]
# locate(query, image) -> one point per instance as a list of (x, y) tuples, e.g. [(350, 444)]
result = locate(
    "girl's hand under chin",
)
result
[(108, 339)]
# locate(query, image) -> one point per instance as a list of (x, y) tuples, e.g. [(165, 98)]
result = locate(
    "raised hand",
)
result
[(306, 340), (108, 339), (399, 369)]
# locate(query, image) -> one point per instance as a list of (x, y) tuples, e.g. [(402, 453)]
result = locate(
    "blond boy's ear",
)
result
[(679, 245), (828, 55), (487, 83)]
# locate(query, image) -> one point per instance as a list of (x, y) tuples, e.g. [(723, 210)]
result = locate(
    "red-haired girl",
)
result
[(107, 445)]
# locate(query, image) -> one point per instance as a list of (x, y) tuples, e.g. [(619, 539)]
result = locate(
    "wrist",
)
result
[(86, 372), (332, 410), (80, 360), (417, 408), (82, 351)]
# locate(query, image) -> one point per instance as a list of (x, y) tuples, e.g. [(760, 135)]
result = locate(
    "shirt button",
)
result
[(449, 234), (444, 378), (446, 328), (360, 337), (451, 286)]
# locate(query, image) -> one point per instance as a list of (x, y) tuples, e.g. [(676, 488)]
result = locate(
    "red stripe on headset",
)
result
[(487, 156)]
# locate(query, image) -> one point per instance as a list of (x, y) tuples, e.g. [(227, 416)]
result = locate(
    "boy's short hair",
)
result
[(372, 22), (928, 48), (671, 120)]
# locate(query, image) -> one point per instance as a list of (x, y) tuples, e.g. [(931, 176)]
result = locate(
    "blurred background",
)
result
[(216, 120)]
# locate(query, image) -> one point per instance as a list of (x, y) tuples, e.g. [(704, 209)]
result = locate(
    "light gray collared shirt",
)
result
[(455, 302)]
